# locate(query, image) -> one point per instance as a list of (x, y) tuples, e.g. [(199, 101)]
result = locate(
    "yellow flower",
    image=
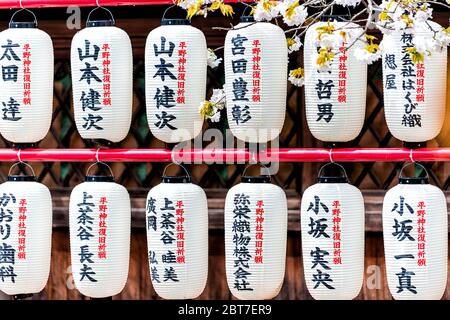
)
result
[(325, 57), (297, 73), (226, 9), (206, 109), (384, 16), (447, 30), (268, 5), (290, 42), (416, 56), (408, 21), (372, 48), (194, 9), (290, 11), (325, 29)]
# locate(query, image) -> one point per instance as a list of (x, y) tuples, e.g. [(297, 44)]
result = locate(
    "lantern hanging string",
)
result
[(330, 154), (100, 7), (414, 163), (178, 164), (22, 8), (254, 164), (21, 162), (411, 156), (98, 162), (333, 163)]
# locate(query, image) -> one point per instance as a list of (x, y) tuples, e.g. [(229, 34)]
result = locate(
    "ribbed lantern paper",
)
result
[(335, 99), (175, 80), (255, 238), (255, 60), (414, 94), (415, 240), (100, 221), (332, 225), (102, 78), (26, 85), (177, 238), (26, 232)]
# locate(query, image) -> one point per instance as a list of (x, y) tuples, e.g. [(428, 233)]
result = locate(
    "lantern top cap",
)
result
[(99, 179), (247, 19), (413, 180), (100, 23), (175, 22), (255, 179), (324, 179), (177, 179), (22, 24), (17, 178)]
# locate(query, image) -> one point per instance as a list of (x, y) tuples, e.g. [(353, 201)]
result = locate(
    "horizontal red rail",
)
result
[(227, 155), (10, 4)]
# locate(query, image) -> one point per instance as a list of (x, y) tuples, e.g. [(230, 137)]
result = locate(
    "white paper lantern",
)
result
[(414, 94), (332, 225), (256, 61), (335, 99), (177, 238), (26, 232), (415, 240), (100, 221), (175, 80), (26, 84), (102, 78), (255, 238)]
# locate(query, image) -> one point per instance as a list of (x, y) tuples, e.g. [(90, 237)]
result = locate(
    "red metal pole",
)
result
[(10, 4), (227, 155)]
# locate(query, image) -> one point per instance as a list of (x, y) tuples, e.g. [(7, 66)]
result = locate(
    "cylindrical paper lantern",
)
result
[(26, 85), (26, 232), (415, 240), (336, 99), (414, 94), (177, 237), (332, 224), (256, 61), (255, 238), (100, 221), (175, 80), (102, 78)]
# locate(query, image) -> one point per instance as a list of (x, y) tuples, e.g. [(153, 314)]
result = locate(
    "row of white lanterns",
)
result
[(332, 224), (256, 61)]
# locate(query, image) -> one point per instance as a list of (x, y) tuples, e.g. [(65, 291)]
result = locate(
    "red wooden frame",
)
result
[(227, 155), (11, 4)]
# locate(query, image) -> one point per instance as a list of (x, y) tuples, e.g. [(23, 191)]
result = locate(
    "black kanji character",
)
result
[(11, 110), (238, 42), (88, 73), (322, 278), (315, 206), (404, 281), (85, 255), (164, 97), (324, 89), (91, 121), (90, 100), (163, 70), (9, 51), (10, 73), (87, 272), (163, 120), (163, 49), (318, 228), (318, 256), (402, 230), (169, 274), (324, 112), (87, 48)]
